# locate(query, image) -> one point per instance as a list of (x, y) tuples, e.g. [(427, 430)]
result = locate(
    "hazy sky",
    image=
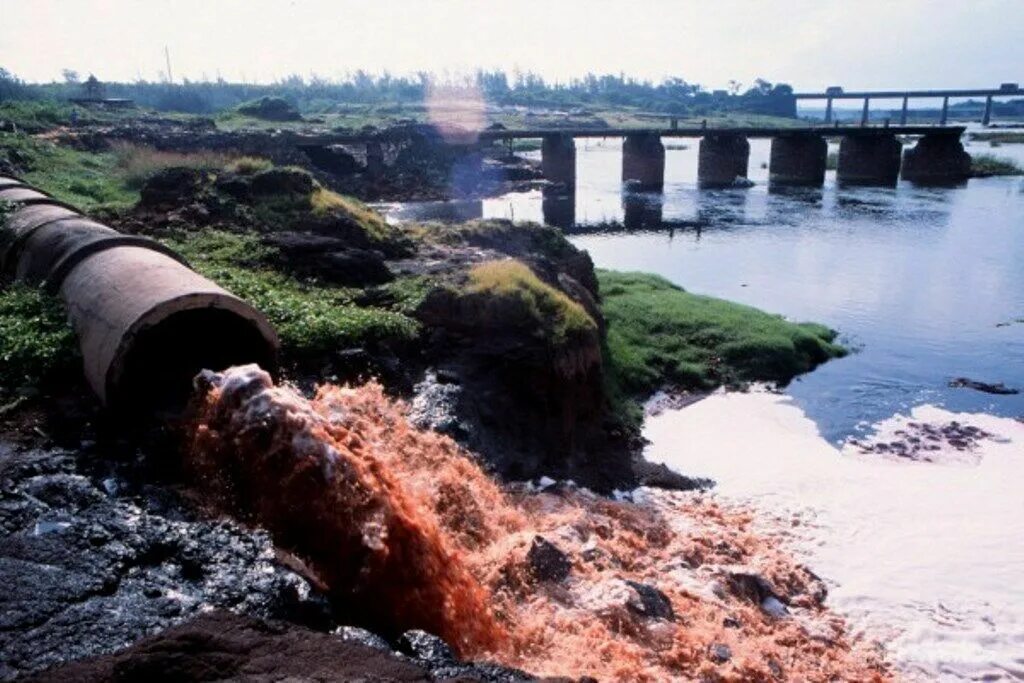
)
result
[(808, 43)]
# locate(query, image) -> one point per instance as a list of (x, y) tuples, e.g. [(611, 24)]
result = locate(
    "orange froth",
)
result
[(407, 530)]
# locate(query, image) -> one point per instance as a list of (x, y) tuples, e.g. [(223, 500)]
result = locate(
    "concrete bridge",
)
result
[(837, 93), (867, 155)]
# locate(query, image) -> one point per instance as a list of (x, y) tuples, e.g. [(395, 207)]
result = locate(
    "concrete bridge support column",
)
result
[(864, 111), (643, 161), (798, 161), (987, 118), (869, 160), (828, 111), (945, 111), (903, 112), (937, 160), (558, 159), (722, 158)]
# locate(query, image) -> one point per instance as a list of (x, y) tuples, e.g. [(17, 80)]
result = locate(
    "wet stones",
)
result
[(923, 441), (756, 589), (86, 571), (425, 647), (997, 388), (547, 562), (649, 602)]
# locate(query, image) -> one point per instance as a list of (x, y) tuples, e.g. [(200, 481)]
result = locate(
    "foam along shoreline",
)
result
[(924, 554)]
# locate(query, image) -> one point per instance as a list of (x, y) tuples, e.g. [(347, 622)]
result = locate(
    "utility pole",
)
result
[(167, 55)]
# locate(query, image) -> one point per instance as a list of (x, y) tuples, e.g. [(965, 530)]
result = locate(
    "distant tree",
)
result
[(93, 89), (733, 87), (70, 76)]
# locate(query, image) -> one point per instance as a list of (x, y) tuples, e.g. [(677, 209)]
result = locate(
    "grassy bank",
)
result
[(660, 335), (986, 165), (311, 318)]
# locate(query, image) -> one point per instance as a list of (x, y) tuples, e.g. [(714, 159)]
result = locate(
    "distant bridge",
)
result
[(868, 155), (837, 93)]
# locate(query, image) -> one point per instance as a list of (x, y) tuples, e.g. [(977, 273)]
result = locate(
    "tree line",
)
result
[(318, 94)]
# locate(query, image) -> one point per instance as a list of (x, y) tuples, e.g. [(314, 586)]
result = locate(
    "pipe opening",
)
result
[(159, 363)]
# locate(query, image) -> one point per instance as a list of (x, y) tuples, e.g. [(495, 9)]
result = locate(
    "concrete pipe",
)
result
[(47, 254), (146, 323), (25, 196), (22, 222)]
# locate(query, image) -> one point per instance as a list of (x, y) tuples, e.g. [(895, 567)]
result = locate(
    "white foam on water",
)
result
[(925, 557)]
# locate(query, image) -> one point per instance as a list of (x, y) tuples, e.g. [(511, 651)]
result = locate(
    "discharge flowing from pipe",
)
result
[(406, 530)]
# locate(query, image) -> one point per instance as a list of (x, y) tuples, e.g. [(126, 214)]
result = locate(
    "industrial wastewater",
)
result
[(921, 549)]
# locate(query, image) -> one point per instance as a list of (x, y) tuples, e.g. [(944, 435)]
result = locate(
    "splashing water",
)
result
[(407, 531)]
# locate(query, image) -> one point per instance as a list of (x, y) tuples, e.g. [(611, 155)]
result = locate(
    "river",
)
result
[(926, 285)]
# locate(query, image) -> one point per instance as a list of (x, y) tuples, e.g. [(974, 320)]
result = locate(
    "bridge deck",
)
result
[(751, 132)]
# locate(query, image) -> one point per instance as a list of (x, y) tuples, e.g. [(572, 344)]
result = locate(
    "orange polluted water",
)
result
[(407, 531)]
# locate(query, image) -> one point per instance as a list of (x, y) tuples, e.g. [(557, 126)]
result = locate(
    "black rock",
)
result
[(547, 562), (997, 388), (172, 187), (426, 647), (652, 602), (719, 653), (282, 180)]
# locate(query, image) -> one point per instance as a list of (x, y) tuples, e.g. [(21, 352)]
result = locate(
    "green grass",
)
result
[(36, 342), (1008, 137), (312, 319), (660, 335), (509, 286), (985, 165), (82, 179)]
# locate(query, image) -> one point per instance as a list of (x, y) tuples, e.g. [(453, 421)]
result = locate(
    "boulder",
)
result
[(650, 602), (226, 646), (547, 562), (328, 259), (282, 180), (171, 187), (426, 647)]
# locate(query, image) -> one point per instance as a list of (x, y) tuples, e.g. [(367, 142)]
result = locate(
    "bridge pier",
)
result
[(937, 160), (987, 117), (643, 161), (903, 112), (798, 161), (869, 160), (721, 159), (558, 159)]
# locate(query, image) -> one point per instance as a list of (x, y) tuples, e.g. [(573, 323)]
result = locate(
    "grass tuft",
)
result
[(512, 286), (137, 163)]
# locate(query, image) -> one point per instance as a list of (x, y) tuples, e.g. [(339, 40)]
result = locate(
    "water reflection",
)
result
[(559, 206)]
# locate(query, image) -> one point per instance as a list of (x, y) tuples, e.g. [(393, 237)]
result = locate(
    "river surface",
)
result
[(926, 285)]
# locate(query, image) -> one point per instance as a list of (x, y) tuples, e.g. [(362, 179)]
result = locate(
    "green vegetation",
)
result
[(511, 287), (136, 163), (659, 334), (79, 178), (312, 318), (36, 342), (985, 165)]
